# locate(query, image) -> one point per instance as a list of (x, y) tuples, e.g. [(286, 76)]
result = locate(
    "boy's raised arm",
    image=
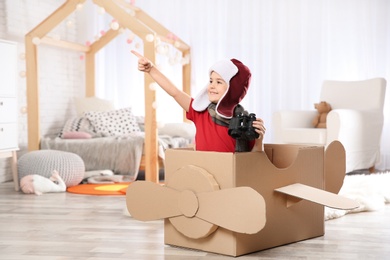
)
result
[(145, 65)]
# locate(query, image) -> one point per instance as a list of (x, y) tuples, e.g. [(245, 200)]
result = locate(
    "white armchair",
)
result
[(356, 120)]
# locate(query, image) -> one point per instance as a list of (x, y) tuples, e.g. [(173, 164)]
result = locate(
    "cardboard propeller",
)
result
[(193, 197)]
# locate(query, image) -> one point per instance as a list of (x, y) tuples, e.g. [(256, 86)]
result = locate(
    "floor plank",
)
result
[(72, 226)]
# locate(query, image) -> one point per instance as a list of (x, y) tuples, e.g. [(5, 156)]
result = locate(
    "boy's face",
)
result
[(216, 88)]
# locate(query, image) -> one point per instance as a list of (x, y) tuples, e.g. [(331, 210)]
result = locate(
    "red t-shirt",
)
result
[(209, 135)]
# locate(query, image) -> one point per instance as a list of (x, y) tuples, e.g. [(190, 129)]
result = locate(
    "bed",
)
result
[(114, 139), (128, 17), (123, 155)]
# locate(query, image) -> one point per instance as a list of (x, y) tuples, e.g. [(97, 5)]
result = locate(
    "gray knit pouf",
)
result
[(70, 166)]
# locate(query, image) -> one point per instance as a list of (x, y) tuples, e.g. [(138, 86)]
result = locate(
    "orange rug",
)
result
[(100, 189)]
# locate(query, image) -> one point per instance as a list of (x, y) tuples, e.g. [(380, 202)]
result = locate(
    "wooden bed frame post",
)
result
[(186, 78), (39, 33), (32, 89), (151, 138), (89, 74)]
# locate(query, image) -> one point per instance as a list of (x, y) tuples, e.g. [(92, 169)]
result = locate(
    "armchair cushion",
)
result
[(296, 127)]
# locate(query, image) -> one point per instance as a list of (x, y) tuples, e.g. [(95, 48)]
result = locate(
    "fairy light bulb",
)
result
[(130, 39), (79, 7), (176, 44), (69, 23), (149, 37), (162, 49), (23, 110), (152, 86), (36, 40), (102, 10), (114, 25)]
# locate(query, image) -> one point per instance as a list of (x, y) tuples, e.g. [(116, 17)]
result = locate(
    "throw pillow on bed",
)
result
[(77, 124), (113, 123), (76, 135)]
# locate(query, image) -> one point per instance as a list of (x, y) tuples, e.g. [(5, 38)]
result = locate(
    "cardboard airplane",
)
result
[(237, 203)]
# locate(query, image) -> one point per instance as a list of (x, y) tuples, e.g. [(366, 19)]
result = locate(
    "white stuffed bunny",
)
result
[(38, 184)]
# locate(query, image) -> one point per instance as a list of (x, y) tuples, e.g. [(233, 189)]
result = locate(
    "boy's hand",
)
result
[(143, 63), (258, 124)]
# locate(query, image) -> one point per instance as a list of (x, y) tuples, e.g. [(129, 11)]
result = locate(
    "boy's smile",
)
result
[(216, 88)]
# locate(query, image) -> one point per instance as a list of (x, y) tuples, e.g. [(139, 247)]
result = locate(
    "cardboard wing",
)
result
[(318, 196), (334, 169)]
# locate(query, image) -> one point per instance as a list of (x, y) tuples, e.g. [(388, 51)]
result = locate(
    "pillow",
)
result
[(113, 123), (141, 122), (76, 135), (186, 130), (92, 104), (77, 124)]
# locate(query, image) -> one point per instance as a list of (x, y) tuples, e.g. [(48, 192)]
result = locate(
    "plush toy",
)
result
[(323, 109), (38, 184)]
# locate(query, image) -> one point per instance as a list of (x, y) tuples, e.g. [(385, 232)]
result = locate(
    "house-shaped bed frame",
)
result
[(141, 24)]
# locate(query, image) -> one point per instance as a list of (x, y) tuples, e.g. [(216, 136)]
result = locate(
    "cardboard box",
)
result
[(280, 200)]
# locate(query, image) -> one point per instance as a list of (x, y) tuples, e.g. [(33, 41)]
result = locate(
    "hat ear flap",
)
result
[(201, 101), (238, 87)]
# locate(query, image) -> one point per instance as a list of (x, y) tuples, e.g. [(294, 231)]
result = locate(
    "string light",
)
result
[(36, 40), (69, 23), (153, 86), (176, 44), (149, 37), (114, 25), (79, 7)]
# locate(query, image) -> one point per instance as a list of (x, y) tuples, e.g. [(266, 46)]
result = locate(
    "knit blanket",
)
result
[(121, 154)]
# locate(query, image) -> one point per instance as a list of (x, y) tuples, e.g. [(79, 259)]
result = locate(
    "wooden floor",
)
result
[(70, 226)]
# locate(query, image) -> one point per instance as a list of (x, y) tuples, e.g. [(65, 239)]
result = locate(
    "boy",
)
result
[(214, 106)]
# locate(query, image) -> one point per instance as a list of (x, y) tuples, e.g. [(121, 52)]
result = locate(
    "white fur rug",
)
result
[(372, 191)]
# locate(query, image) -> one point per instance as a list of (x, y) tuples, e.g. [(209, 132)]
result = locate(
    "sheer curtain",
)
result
[(290, 46)]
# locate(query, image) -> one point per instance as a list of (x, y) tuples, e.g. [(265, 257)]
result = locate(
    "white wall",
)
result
[(60, 72)]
